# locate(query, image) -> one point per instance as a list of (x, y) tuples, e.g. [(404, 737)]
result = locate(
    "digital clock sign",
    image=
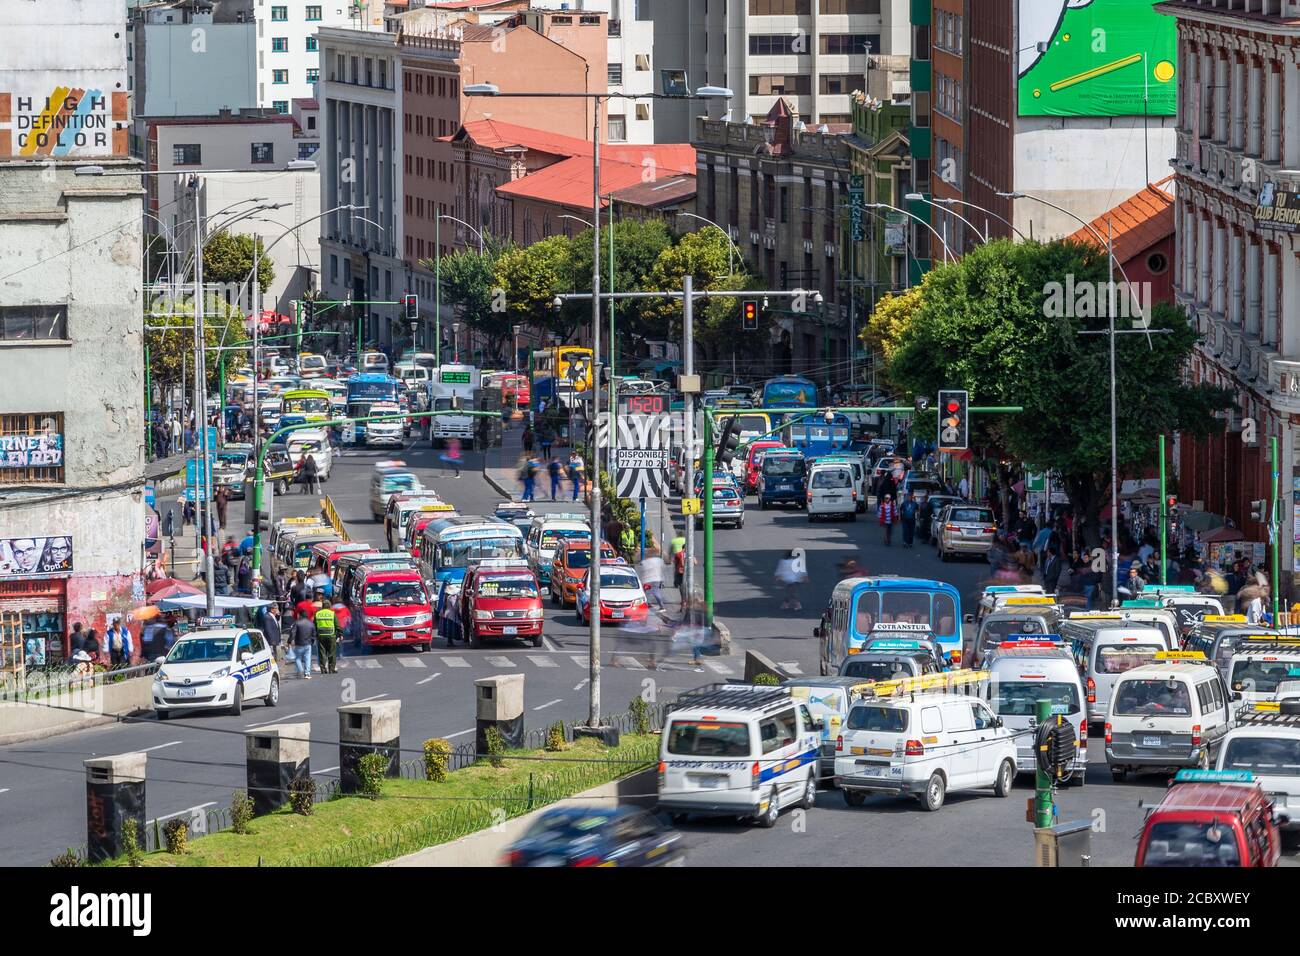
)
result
[(644, 404), (454, 378)]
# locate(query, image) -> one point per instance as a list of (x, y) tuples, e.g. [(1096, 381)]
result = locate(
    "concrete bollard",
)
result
[(499, 703), (368, 728), (114, 794), (276, 756)]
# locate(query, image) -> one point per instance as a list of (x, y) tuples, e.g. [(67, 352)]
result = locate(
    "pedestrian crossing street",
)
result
[(559, 660)]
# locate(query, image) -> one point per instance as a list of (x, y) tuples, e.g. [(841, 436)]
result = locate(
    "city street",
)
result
[(197, 761)]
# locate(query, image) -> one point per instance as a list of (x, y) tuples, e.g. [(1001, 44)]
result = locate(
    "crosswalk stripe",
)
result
[(718, 668), (626, 660), (791, 666), (454, 662), (500, 661), (582, 660), (411, 662), (370, 663), (541, 661)]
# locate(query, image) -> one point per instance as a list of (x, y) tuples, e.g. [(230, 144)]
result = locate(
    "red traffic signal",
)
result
[(1171, 502), (749, 315)]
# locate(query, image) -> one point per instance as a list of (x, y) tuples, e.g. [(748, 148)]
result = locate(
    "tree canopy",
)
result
[(229, 258)]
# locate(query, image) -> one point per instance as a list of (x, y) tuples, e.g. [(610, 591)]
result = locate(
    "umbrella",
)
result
[(199, 602), (159, 583), (174, 591), (1223, 533), (146, 613)]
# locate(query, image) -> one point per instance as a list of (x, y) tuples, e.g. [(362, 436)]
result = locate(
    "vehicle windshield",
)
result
[(580, 557), (699, 738), (1262, 677), (396, 483), (395, 592), (557, 826), (787, 466), (971, 516), (307, 406), (441, 404), (890, 720), (1273, 756), (464, 551), (1143, 697), (724, 494), (995, 632), (1118, 658), (304, 447), (832, 478), (519, 587), (201, 649), (1191, 844), (1014, 698), (875, 670), (754, 424), (613, 580), (231, 459), (554, 536)]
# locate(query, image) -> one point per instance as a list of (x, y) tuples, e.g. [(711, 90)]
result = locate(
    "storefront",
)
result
[(43, 608)]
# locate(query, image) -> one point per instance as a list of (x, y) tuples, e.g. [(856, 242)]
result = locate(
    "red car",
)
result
[(752, 463), (391, 608), (1211, 818), (515, 391), (501, 601)]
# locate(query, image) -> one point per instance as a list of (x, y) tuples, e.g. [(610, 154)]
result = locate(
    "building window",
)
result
[(280, 106), (279, 44), (838, 84), (779, 8), (279, 14), (778, 44), (312, 45), (614, 74), (263, 152), (617, 129), (334, 268), (642, 61), (313, 75), (852, 8), (643, 111), (779, 84), (279, 76), (187, 154), (27, 323), (1157, 263), (849, 44), (313, 13), (311, 124), (33, 454), (307, 150)]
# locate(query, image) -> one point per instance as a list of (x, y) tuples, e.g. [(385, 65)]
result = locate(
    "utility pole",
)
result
[(1164, 518), (1042, 780), (1274, 527), (688, 431), (204, 513), (593, 588)]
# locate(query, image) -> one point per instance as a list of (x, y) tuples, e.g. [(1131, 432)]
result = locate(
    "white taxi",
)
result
[(214, 670)]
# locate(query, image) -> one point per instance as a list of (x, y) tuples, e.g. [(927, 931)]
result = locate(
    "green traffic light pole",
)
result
[(709, 452), (259, 480)]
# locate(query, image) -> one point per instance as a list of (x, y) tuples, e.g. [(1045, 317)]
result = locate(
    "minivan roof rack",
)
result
[(733, 696)]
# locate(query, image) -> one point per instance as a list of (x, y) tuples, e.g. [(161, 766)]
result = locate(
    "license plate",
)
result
[(710, 781), (969, 531), (874, 770), (616, 614), (399, 635), (188, 692), (510, 629), (1151, 741)]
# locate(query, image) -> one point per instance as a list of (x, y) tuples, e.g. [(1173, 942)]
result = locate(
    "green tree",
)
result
[(989, 323), (468, 283), (529, 278), (229, 258), (169, 337), (893, 313)]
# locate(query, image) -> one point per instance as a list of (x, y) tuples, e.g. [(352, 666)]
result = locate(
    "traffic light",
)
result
[(1259, 511), (749, 315), (1171, 502), (954, 426), (728, 442), (262, 522), (412, 302), (308, 310)]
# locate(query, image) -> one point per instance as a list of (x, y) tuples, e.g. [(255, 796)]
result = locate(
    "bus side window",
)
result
[(944, 615)]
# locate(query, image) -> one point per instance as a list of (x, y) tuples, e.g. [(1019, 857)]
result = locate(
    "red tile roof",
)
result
[(306, 103), (1138, 223)]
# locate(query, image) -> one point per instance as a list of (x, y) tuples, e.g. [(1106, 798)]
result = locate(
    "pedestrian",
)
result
[(222, 498), (790, 573), (452, 455), (304, 633), (220, 578), (91, 646), (963, 488), (907, 512), (310, 476), (118, 639), (693, 629), (177, 434), (576, 468), (326, 634), (342, 622), (244, 575), (555, 472), (888, 513), (528, 439), (651, 570), (530, 478), (271, 628), (298, 590), (679, 571), (547, 438), (168, 526), (187, 514), (77, 638)]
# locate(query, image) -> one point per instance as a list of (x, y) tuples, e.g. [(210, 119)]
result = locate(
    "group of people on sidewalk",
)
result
[(532, 468), (303, 620)]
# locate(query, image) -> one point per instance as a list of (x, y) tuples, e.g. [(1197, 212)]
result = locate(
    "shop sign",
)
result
[(31, 451), (35, 557)]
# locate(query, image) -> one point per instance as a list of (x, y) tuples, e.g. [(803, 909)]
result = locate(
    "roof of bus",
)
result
[(890, 582), (372, 377), (483, 525)]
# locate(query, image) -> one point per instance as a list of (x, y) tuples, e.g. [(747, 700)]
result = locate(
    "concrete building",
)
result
[(779, 188), (1236, 267), (72, 514), (288, 52), (812, 53)]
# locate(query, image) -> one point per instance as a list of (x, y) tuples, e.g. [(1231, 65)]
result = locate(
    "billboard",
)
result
[(1096, 58), (1277, 208), (35, 557)]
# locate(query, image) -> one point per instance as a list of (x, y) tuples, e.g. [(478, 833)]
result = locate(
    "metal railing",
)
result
[(43, 683)]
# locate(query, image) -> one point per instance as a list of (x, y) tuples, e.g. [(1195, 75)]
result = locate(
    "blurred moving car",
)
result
[(597, 836)]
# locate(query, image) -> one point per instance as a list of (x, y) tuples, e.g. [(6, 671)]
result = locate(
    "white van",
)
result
[(924, 744), (1021, 673), (1258, 668), (314, 442), (738, 750), (545, 533), (1116, 651), (831, 490), (1266, 744), (1172, 713)]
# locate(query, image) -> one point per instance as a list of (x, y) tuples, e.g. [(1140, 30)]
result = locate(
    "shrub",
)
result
[(302, 795), (241, 812), (177, 834), (766, 679), (66, 858), (496, 746), (131, 842), (437, 756), (640, 715), (371, 769), (555, 737)]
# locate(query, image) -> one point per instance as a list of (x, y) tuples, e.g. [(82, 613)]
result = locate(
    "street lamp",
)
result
[(948, 256), (731, 243), (704, 92), (917, 197), (518, 330), (986, 211), (437, 277), (455, 342)]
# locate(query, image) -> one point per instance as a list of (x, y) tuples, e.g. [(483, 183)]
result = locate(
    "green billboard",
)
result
[(1096, 58)]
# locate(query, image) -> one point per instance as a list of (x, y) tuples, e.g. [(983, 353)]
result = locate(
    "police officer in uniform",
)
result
[(326, 634)]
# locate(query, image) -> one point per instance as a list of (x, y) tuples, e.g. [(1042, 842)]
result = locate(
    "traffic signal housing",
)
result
[(749, 315), (1259, 511), (1171, 502), (308, 310), (262, 522), (954, 420), (412, 303), (728, 442)]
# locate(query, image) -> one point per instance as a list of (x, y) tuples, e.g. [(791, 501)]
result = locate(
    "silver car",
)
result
[(728, 507), (966, 529)]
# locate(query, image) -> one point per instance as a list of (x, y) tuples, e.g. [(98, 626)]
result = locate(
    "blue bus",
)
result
[(364, 390), (789, 391), (816, 437), (860, 603)]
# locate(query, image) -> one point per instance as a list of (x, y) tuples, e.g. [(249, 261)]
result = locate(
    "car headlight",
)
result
[(423, 619), (223, 672), (535, 613), (482, 615), (160, 676)]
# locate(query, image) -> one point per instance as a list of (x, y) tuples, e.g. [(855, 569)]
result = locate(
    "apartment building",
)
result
[(288, 48)]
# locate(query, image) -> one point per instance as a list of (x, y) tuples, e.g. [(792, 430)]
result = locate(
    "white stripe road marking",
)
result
[(541, 661), (326, 770), (344, 664), (4, 790), (368, 662), (268, 723), (159, 747), (454, 662), (429, 678), (180, 813), (549, 644), (582, 660), (549, 703), (500, 661), (792, 667), (719, 669), (459, 733), (628, 661), (411, 662), (376, 697), (582, 683)]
